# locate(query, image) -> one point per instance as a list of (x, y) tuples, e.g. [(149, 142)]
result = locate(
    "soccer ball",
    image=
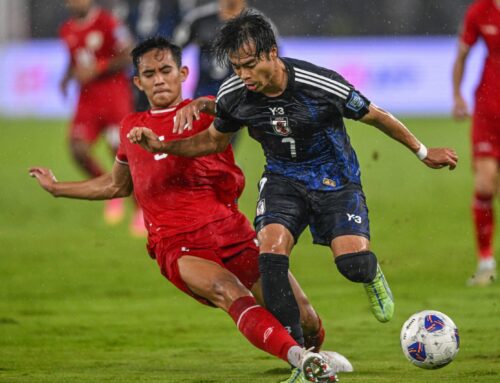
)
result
[(430, 339)]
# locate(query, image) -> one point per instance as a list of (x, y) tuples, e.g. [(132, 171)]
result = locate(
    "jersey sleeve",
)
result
[(224, 122), (345, 98), (121, 154), (469, 31)]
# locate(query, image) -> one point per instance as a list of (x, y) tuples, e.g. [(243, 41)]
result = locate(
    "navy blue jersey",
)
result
[(199, 26), (302, 131)]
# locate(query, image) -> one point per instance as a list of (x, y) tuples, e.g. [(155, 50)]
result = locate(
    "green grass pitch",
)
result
[(83, 302)]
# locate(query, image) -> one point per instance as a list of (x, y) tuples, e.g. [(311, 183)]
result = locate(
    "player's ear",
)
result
[(184, 73), (137, 83), (273, 54)]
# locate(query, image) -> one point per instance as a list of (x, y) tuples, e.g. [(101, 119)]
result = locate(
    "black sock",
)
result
[(278, 294)]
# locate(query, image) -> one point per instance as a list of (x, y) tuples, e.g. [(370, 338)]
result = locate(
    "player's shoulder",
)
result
[(479, 7), (134, 119), (311, 76), (306, 67), (231, 90)]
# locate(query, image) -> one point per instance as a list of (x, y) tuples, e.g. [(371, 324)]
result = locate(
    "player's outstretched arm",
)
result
[(460, 109), (116, 184), (185, 116), (435, 158), (206, 142)]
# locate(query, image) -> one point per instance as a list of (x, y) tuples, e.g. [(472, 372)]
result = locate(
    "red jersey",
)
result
[(482, 20), (96, 38), (178, 194)]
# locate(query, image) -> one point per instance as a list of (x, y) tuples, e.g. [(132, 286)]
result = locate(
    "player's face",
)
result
[(257, 73), (160, 78), (79, 7)]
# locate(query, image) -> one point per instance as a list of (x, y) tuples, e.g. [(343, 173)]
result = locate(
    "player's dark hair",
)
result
[(248, 27), (156, 42)]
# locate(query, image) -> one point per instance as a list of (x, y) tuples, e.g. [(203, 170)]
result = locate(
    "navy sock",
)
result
[(278, 294)]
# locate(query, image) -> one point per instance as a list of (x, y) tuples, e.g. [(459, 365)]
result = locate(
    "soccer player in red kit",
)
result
[(482, 21), (200, 240), (98, 47)]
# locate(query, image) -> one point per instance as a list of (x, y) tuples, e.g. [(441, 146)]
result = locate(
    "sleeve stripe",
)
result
[(229, 91), (323, 78), (341, 95), (228, 83), (121, 161), (313, 80)]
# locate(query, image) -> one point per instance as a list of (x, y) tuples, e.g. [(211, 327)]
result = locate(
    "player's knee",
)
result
[(358, 267), (223, 291)]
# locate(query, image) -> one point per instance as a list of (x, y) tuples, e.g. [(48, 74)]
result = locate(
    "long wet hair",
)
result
[(246, 28)]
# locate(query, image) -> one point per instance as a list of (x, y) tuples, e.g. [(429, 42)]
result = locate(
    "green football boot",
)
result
[(380, 297), (296, 377)]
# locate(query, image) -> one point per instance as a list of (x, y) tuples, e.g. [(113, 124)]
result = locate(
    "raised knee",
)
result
[(357, 267)]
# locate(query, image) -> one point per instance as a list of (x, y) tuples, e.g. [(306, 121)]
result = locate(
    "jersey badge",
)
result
[(329, 182), (356, 102), (280, 126)]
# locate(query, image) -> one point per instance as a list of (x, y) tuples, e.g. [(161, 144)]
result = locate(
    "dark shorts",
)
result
[(229, 242), (329, 214)]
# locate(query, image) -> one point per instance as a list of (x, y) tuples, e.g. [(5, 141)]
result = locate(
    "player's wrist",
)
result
[(422, 152)]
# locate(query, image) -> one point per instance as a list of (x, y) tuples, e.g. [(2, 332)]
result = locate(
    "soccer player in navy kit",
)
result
[(295, 110)]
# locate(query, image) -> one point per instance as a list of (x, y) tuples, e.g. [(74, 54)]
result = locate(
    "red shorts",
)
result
[(229, 242), (486, 136), (98, 111)]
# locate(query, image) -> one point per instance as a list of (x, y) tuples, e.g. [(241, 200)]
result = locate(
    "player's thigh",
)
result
[(210, 280), (282, 203), (341, 213), (348, 244), (85, 126)]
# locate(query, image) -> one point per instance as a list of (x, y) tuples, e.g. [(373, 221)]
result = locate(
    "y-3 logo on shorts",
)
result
[(354, 217)]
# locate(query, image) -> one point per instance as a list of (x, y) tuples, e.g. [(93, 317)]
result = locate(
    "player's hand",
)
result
[(146, 138), (44, 176), (460, 109), (438, 158), (185, 116)]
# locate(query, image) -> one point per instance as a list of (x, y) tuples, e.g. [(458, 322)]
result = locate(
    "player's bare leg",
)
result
[(215, 283), (276, 243), (358, 264), (486, 182)]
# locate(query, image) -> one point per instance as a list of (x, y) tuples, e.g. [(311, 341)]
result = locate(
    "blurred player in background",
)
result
[(203, 244), (312, 177), (99, 49), (199, 27), (482, 20)]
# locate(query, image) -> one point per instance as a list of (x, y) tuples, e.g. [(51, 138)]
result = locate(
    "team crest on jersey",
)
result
[(329, 182), (280, 125), (356, 102)]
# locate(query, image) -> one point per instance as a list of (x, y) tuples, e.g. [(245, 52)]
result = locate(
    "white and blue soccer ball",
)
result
[(430, 339)]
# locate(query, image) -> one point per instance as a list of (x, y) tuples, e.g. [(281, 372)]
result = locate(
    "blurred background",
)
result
[(406, 70)]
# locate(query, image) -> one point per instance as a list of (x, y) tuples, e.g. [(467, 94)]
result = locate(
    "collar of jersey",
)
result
[(162, 112)]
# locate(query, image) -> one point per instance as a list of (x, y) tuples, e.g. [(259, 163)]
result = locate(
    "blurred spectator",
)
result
[(98, 47), (482, 21)]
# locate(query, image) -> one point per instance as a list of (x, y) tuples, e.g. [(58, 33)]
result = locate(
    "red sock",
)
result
[(483, 223), (261, 328), (316, 339)]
